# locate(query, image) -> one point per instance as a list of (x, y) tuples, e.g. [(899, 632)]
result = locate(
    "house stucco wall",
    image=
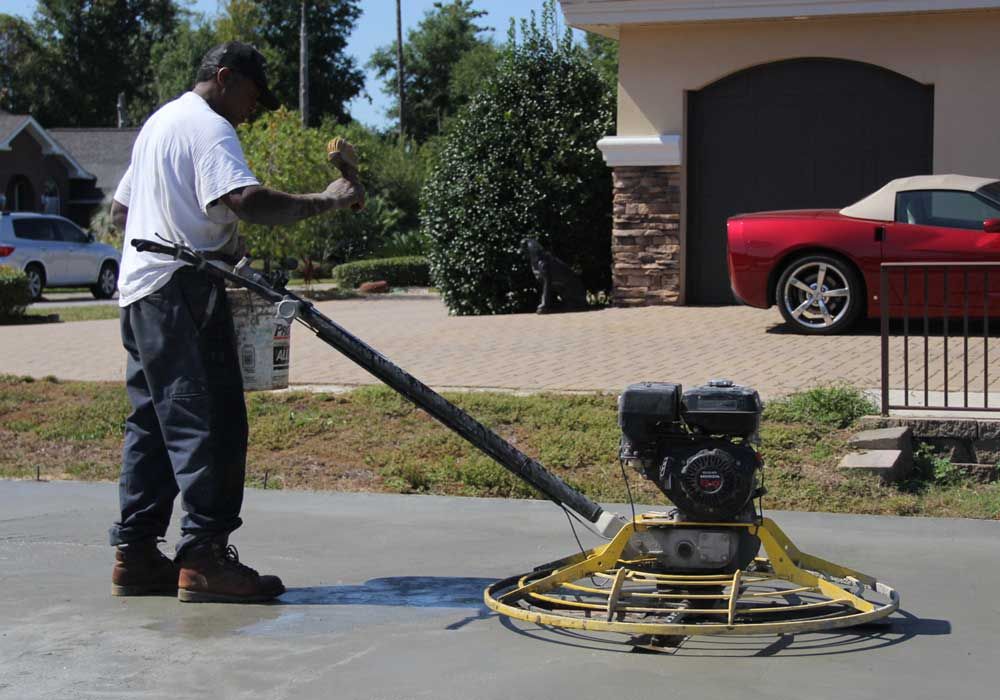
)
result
[(659, 63), (956, 52)]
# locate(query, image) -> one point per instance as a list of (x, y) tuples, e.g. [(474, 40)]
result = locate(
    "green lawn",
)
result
[(74, 313), (371, 439)]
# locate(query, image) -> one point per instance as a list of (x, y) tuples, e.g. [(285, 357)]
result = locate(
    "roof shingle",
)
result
[(104, 152), (9, 123)]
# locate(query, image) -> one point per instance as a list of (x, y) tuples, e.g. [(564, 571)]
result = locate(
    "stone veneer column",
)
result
[(645, 242)]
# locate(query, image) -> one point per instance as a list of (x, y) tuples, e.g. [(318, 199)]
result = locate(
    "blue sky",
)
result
[(376, 27)]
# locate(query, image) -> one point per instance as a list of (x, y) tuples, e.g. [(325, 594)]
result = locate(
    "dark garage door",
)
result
[(794, 135)]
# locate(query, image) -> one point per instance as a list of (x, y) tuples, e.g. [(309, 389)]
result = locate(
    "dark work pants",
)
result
[(187, 432)]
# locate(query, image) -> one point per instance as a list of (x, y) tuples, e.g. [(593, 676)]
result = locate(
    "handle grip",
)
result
[(144, 244)]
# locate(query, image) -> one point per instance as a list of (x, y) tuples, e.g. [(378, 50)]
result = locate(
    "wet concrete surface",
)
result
[(384, 601)]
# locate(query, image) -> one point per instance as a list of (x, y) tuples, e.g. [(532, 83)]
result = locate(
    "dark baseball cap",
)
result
[(246, 60)]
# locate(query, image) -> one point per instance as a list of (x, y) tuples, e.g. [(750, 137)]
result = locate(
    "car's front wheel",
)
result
[(820, 294), (107, 282), (36, 280)]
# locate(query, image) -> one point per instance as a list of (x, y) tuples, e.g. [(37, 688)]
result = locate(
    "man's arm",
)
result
[(119, 215), (262, 205)]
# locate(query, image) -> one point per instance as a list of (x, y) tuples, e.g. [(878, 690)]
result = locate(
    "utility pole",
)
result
[(120, 109), (399, 67), (304, 67)]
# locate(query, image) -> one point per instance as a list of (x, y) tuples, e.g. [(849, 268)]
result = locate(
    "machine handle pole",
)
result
[(359, 352)]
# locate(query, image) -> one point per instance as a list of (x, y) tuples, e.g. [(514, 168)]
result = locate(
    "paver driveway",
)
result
[(598, 350)]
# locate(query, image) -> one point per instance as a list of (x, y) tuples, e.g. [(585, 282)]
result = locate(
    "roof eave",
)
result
[(49, 147), (606, 16)]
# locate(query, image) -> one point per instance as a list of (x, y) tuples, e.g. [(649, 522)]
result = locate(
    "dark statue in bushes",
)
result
[(521, 157), (561, 287)]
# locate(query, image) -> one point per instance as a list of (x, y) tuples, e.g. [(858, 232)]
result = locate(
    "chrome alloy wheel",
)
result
[(816, 295)]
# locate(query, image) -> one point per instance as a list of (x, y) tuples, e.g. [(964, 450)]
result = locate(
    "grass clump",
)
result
[(834, 406)]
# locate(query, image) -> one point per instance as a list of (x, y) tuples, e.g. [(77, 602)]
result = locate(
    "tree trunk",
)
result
[(303, 67), (399, 67)]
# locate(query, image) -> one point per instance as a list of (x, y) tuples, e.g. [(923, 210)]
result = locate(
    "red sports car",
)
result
[(821, 267)]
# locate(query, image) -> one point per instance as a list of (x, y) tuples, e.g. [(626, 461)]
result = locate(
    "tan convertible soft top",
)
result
[(881, 204)]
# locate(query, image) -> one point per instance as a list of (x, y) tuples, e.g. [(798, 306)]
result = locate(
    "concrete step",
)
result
[(894, 438), (887, 465)]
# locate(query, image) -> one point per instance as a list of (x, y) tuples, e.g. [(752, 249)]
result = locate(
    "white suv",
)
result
[(55, 252)]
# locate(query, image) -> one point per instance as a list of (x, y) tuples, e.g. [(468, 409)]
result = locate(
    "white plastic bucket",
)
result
[(263, 341)]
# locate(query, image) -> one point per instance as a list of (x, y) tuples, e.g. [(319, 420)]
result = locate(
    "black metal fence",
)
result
[(947, 297)]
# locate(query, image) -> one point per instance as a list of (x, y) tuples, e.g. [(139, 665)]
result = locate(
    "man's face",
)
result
[(240, 95)]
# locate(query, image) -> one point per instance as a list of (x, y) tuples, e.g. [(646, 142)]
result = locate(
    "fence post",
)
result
[(884, 311)]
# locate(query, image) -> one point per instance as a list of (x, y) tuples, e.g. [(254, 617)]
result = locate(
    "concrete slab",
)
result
[(885, 464), (895, 438), (385, 602)]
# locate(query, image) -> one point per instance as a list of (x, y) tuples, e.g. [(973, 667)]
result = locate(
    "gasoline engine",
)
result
[(697, 447)]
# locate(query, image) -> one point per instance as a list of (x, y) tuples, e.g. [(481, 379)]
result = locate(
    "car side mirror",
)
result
[(90, 237), (991, 226)]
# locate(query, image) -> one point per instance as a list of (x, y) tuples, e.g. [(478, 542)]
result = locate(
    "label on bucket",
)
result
[(263, 341)]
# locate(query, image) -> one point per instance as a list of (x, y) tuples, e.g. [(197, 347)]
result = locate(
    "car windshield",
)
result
[(991, 192)]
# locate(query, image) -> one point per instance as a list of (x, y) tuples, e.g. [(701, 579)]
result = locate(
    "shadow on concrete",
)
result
[(406, 591), (896, 629), (289, 617)]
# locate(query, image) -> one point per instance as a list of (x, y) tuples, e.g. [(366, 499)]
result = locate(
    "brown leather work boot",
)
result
[(212, 573), (142, 569)]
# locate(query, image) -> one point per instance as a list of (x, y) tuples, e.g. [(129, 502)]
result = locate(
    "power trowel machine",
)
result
[(695, 569)]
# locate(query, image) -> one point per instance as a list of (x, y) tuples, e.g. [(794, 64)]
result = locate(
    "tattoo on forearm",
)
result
[(312, 204), (271, 207)]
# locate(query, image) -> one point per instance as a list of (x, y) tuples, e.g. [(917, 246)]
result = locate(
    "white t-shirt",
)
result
[(185, 157)]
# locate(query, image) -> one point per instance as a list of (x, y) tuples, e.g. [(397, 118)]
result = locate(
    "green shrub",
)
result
[(520, 160), (103, 228), (403, 244), (411, 271), (14, 293), (930, 466), (836, 406)]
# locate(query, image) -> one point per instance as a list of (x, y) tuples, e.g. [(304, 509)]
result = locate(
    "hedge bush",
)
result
[(521, 160), (14, 293), (409, 271)]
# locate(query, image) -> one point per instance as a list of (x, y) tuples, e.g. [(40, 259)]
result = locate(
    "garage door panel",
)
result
[(805, 133)]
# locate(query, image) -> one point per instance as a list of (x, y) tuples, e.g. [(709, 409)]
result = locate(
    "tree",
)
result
[(471, 72), (430, 54), (22, 67), (96, 50), (240, 20), (334, 79), (176, 59), (521, 160), (603, 52)]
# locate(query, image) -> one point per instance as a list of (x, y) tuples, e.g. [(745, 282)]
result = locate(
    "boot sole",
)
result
[(186, 596), (144, 590)]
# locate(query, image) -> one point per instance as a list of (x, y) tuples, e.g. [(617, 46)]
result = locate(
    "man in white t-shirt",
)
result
[(188, 182)]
